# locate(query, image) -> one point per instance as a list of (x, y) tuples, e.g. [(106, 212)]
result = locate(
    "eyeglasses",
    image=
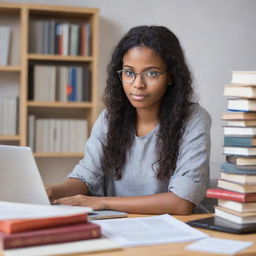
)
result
[(149, 77)]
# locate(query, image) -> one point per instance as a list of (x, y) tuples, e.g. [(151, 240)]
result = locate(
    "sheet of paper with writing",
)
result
[(148, 230)]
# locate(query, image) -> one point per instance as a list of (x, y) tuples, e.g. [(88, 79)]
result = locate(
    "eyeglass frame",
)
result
[(121, 70)]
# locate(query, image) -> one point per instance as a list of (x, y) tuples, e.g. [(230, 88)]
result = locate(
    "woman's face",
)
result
[(149, 86)]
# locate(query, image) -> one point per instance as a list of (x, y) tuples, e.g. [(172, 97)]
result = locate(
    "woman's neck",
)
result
[(146, 121)]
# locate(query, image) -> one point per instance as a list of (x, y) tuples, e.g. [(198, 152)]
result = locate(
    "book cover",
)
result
[(234, 216), (21, 225), (237, 187), (237, 206), (242, 123), (234, 141), (239, 178), (51, 236), (231, 168), (230, 195), (238, 116)]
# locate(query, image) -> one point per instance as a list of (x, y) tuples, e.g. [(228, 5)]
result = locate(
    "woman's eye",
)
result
[(152, 73), (129, 73)]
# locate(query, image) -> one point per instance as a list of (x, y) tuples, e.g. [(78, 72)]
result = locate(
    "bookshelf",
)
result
[(53, 52)]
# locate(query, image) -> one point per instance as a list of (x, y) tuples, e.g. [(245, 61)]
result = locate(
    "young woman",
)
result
[(149, 149)]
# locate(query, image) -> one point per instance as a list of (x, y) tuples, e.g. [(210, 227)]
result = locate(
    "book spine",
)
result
[(46, 238), (226, 195), (35, 224)]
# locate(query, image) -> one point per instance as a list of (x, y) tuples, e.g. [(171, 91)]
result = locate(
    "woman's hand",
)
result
[(96, 203), (49, 192)]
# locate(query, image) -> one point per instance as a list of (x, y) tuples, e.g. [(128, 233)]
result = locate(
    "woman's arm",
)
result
[(152, 204), (70, 187)]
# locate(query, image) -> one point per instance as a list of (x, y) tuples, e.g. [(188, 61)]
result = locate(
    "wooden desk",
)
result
[(178, 249)]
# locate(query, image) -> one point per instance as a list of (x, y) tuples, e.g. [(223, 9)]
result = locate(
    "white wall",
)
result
[(217, 36)]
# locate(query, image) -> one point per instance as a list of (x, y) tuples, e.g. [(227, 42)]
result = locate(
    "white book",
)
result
[(5, 116), (239, 130), (243, 77), (65, 134), (65, 31), (230, 216), (242, 123), (242, 105), (5, 38), (243, 151), (31, 131), (241, 92), (51, 137), (39, 137), (237, 206), (58, 136)]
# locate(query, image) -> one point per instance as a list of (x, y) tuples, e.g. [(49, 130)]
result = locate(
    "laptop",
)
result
[(20, 180)]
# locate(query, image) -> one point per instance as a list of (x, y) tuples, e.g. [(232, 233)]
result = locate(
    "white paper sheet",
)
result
[(148, 230), (218, 245), (9, 210)]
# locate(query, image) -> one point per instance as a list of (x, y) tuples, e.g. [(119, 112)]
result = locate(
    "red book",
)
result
[(20, 225), (63, 234), (230, 195)]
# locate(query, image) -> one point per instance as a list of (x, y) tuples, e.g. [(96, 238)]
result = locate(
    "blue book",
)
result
[(239, 141), (231, 168)]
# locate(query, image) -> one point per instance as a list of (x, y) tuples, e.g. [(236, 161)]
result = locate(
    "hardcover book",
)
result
[(238, 178), (21, 225), (243, 170), (237, 206), (51, 235), (234, 216), (230, 195), (241, 161), (238, 116), (242, 105), (234, 141), (240, 91), (237, 187), (240, 151), (236, 131), (244, 77)]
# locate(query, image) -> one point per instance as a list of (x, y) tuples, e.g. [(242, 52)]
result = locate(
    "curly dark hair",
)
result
[(174, 108)]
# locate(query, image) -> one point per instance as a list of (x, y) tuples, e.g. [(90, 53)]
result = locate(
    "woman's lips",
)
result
[(138, 96)]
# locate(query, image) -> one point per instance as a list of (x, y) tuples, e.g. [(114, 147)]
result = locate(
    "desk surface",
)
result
[(178, 249)]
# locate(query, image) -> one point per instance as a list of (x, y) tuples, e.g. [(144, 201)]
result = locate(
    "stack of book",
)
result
[(43, 230), (65, 226), (236, 192)]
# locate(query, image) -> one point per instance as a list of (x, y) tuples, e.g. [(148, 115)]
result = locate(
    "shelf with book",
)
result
[(56, 57), (10, 75), (61, 43)]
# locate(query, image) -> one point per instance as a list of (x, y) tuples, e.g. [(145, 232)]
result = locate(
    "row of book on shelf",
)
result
[(57, 135), (59, 83), (8, 116), (5, 38), (48, 230), (62, 38), (236, 191)]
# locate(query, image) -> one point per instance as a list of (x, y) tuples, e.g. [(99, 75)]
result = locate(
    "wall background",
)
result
[(217, 36)]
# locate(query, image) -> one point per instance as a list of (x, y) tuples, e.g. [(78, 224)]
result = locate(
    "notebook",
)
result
[(20, 180)]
